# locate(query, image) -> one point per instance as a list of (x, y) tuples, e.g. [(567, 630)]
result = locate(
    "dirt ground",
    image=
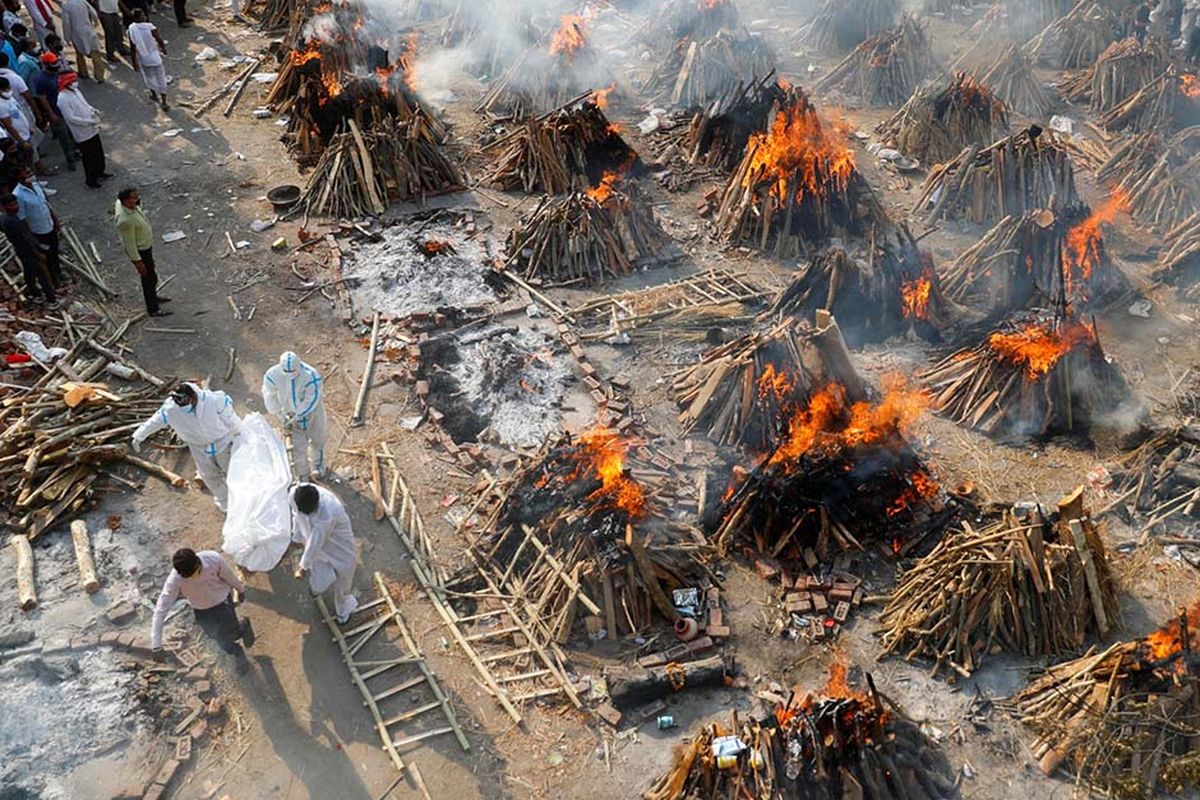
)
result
[(303, 730)]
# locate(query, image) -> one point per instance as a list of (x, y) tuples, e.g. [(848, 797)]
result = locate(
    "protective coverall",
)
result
[(295, 392), (209, 428), (329, 556)]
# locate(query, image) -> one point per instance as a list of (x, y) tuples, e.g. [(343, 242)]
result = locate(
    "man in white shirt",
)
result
[(208, 583), (84, 124), (147, 51), (79, 21)]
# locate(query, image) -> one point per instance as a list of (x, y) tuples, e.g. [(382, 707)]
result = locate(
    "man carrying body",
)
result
[(208, 583), (294, 392), (26, 249), (207, 424), (320, 523), (138, 239)]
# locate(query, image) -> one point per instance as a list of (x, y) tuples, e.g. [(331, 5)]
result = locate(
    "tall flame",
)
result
[(1040, 345), (570, 35), (915, 294), (604, 454), (1082, 246), (797, 144), (409, 60), (774, 385), (604, 190), (1168, 640), (600, 96)]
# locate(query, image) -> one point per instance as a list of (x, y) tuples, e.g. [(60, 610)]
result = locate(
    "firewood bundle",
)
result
[(743, 393), (694, 20), (274, 15), (1031, 584), (1023, 172), (937, 122), (1016, 20), (886, 68), (845, 24), (1161, 104), (584, 237), (1158, 175), (361, 171), (700, 71), (1122, 70), (542, 79), (564, 150), (796, 183), (717, 135), (1011, 78), (1036, 376), (1123, 720), (1179, 261), (831, 744), (1160, 481), (893, 291), (1076, 39)]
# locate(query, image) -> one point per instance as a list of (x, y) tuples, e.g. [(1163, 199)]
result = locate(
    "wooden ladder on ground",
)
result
[(384, 678)]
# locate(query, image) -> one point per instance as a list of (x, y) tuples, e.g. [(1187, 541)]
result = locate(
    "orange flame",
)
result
[(774, 385), (408, 61), (1168, 640), (1189, 84), (915, 294), (922, 487), (1082, 245), (600, 96), (603, 191), (1039, 346), (797, 144), (605, 453), (311, 51), (569, 36)]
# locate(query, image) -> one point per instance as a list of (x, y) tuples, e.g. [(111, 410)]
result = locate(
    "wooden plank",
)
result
[(1089, 570), (638, 550)]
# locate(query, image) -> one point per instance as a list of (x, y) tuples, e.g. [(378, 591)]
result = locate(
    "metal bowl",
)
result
[(284, 197)]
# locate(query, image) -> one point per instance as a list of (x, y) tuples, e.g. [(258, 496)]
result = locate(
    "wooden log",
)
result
[(638, 548), (83, 556), (26, 590), (630, 687)]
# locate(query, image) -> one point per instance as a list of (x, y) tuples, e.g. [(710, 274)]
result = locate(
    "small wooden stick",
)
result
[(26, 591), (83, 556)]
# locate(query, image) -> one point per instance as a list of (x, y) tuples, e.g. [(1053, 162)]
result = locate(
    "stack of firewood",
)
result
[(584, 237), (694, 20), (717, 134), (361, 171), (1160, 481), (1158, 175), (1022, 583), (539, 81), (742, 393), (1120, 72), (845, 24), (937, 122), (1179, 261), (1016, 21), (700, 71), (558, 151), (1035, 376), (1023, 172), (1157, 106), (1076, 39), (1011, 78), (886, 68), (1122, 720)]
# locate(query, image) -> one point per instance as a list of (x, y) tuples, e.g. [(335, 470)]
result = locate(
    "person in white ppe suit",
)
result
[(295, 392), (207, 424), (321, 524)]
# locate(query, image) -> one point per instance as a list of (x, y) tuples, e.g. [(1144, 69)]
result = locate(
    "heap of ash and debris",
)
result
[(1158, 484)]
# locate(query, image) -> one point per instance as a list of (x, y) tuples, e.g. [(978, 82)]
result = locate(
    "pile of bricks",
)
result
[(611, 395), (816, 604)]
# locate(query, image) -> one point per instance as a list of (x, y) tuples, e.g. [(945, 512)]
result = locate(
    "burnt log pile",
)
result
[(938, 121), (1121, 71), (1027, 171), (1157, 173), (1165, 103), (699, 71), (1077, 38), (1159, 482), (1025, 582), (886, 68), (843, 25), (1122, 720)]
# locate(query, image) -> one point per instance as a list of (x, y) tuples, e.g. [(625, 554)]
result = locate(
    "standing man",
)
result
[(207, 424), (294, 392), (32, 263), (45, 90), (79, 21), (43, 222), (42, 17), (212, 588), (114, 31), (13, 123), (84, 124), (138, 238), (28, 65), (320, 523), (181, 17), (146, 55)]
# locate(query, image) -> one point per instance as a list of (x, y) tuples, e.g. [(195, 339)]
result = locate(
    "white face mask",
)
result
[(6, 95)]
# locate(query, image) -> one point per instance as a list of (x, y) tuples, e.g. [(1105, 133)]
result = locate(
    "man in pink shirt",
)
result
[(207, 582)]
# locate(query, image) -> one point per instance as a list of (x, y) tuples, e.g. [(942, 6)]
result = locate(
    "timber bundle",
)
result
[(937, 122), (718, 133), (1023, 172), (584, 237), (796, 184), (1161, 479), (1026, 582), (1120, 72), (1076, 39), (1166, 102), (694, 20), (1157, 174), (70, 431), (701, 71), (886, 68), (1016, 20), (361, 171), (742, 393), (1011, 78), (566, 149), (845, 24), (1038, 374), (833, 744), (894, 290), (1124, 720), (1179, 261), (278, 15)]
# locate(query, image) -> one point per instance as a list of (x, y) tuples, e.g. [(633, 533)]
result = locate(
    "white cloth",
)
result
[(141, 35), (79, 21), (81, 118), (42, 17), (329, 553), (109, 6), (155, 78), (20, 88), (293, 388), (10, 108)]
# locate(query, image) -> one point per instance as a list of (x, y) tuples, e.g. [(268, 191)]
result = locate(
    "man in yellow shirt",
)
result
[(138, 239)]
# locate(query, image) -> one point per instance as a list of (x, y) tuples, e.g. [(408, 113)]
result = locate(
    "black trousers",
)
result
[(181, 11), (220, 623), (49, 243), (149, 281), (114, 34), (35, 276), (91, 153), (67, 142)]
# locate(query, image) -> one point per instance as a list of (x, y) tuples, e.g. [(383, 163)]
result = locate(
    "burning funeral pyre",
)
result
[(1023, 172), (845, 24), (548, 76), (699, 71), (1164, 103), (830, 745), (718, 133), (1075, 39), (1160, 481), (585, 237), (894, 290), (694, 20), (1039, 374), (939, 121), (1121, 71), (1012, 80), (1157, 173), (1039, 258), (1125, 721), (796, 184), (1025, 582), (568, 149), (885, 69)]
